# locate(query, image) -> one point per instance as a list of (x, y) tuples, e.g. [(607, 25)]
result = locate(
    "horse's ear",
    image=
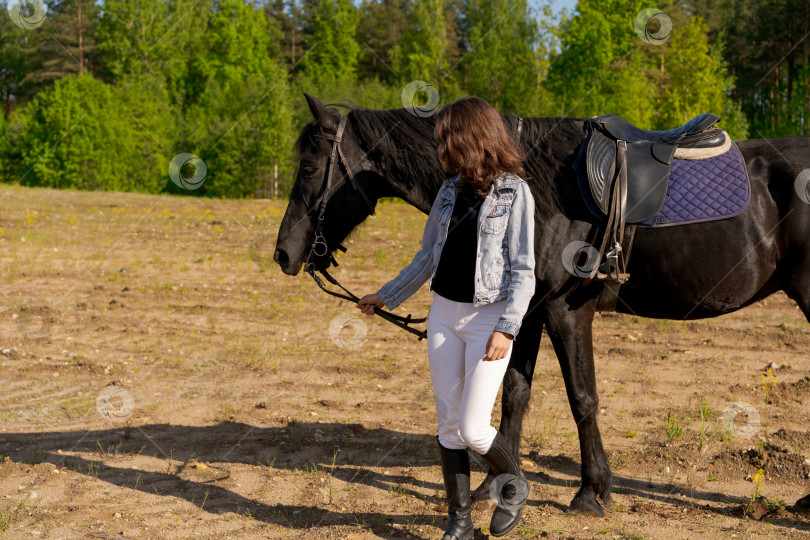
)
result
[(327, 118)]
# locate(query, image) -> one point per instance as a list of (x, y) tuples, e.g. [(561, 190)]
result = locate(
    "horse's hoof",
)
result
[(607, 499), (802, 506), (584, 504)]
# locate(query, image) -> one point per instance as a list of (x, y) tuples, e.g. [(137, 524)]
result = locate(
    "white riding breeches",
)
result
[(464, 384)]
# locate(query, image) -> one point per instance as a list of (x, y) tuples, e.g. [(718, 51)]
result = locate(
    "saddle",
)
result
[(626, 170)]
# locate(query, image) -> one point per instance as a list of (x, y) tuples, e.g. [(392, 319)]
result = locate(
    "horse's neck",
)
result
[(421, 196), (415, 190)]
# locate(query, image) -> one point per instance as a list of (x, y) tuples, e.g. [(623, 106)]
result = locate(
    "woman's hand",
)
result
[(498, 345), (367, 303)]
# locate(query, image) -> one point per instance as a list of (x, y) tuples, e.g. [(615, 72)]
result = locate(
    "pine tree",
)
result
[(13, 63), (64, 44), (383, 25)]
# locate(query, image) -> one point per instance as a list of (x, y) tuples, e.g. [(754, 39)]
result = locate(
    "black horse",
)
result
[(686, 272)]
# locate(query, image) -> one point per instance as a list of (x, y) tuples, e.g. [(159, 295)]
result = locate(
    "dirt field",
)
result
[(161, 378)]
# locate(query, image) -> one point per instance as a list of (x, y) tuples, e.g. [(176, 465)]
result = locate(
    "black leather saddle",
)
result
[(624, 175), (643, 156)]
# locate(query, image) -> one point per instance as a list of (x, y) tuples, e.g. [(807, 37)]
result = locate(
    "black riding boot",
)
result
[(456, 473), (513, 491)]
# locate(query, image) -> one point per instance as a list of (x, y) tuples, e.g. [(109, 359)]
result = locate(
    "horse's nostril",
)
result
[(280, 256)]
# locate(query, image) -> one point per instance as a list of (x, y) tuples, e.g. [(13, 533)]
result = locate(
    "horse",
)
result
[(691, 271)]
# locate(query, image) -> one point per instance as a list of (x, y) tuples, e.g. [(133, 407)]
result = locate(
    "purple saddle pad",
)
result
[(704, 190)]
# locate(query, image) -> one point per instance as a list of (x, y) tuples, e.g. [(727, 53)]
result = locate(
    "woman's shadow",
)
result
[(199, 461)]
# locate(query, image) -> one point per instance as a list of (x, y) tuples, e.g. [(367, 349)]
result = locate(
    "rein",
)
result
[(319, 244)]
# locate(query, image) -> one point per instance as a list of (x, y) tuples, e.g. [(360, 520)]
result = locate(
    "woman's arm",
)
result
[(413, 276), (520, 239)]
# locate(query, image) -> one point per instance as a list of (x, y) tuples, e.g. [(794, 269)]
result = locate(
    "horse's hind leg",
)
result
[(798, 287), (517, 385), (805, 305)]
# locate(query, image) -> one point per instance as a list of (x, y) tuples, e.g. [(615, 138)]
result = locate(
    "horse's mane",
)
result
[(402, 144), (549, 142)]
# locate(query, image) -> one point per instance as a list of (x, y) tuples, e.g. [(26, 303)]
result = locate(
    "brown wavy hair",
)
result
[(473, 140)]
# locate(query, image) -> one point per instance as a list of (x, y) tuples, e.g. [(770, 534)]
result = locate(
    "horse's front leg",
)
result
[(570, 332), (517, 386)]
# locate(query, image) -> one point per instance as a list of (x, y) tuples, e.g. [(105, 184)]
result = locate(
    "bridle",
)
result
[(320, 243), (320, 248)]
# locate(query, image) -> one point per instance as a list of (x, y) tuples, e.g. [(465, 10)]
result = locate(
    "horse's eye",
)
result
[(309, 171)]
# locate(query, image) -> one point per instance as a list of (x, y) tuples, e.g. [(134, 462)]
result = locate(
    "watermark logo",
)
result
[(653, 26), (516, 494), (741, 419), (115, 404), (27, 14), (573, 252), (348, 331), (802, 185), (178, 169), (412, 94), (35, 320)]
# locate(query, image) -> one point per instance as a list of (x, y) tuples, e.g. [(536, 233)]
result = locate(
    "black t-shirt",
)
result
[(455, 274)]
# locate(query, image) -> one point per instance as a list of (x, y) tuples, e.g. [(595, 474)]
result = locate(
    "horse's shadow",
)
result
[(347, 452)]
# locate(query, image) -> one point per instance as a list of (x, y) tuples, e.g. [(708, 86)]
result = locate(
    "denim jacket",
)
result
[(505, 258)]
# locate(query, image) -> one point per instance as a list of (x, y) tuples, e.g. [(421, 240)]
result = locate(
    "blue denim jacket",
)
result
[(505, 267)]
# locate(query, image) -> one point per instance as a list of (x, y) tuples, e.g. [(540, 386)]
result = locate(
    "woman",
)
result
[(478, 252)]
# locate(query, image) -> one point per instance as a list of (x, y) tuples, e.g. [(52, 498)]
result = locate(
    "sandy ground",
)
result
[(161, 378)]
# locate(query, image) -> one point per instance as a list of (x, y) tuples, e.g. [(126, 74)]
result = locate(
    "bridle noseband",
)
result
[(319, 239), (320, 242)]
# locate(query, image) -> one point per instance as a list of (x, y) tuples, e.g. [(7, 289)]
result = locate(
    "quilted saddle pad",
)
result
[(703, 190)]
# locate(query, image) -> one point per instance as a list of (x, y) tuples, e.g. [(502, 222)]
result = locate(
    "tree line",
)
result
[(105, 96)]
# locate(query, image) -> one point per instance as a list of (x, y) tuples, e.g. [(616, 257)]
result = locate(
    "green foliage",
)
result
[(243, 110), (769, 54), (383, 23), (697, 79), (63, 45), (605, 67), (156, 37), (422, 54), (333, 53), (85, 134), (673, 428), (241, 41), (131, 36), (222, 79), (501, 66), (241, 129), (14, 63), (5, 163), (602, 67)]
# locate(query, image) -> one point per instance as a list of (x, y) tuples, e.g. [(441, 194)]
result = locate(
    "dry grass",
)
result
[(248, 420)]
